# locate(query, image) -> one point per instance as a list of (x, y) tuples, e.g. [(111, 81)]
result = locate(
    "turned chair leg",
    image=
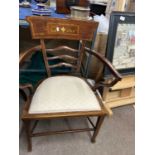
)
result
[(28, 135), (97, 128)]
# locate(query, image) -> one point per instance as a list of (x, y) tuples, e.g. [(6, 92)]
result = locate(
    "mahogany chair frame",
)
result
[(52, 28)]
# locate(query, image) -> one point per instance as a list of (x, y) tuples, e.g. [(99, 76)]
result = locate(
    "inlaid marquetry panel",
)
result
[(63, 29)]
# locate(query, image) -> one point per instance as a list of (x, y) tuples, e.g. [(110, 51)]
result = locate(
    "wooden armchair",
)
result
[(69, 95)]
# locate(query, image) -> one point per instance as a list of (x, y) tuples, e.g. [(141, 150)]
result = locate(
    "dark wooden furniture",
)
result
[(98, 9), (69, 95), (63, 6)]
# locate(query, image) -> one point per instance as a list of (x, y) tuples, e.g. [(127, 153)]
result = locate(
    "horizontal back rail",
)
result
[(56, 28), (61, 48), (63, 64), (63, 57)]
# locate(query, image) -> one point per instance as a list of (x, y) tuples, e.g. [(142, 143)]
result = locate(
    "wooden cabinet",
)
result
[(63, 6), (123, 93)]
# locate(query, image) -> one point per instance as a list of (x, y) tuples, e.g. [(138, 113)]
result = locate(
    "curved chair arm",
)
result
[(26, 86), (22, 89), (105, 61), (24, 55)]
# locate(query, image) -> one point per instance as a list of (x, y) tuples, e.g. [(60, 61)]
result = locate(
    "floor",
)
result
[(116, 137)]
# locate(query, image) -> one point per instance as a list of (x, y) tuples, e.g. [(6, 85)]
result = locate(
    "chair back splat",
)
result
[(45, 28)]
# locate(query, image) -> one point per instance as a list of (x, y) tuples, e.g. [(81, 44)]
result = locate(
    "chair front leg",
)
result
[(28, 134), (97, 128)]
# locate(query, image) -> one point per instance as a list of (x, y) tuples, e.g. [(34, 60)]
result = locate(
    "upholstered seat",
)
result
[(63, 94)]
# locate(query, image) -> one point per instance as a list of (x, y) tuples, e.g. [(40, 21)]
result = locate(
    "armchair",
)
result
[(66, 95)]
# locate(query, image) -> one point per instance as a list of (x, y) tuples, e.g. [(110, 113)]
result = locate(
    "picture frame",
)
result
[(120, 50), (117, 5)]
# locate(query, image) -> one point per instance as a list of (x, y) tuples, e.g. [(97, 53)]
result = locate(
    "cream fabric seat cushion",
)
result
[(63, 94)]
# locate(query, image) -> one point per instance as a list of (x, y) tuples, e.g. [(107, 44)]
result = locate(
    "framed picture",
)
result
[(121, 42)]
